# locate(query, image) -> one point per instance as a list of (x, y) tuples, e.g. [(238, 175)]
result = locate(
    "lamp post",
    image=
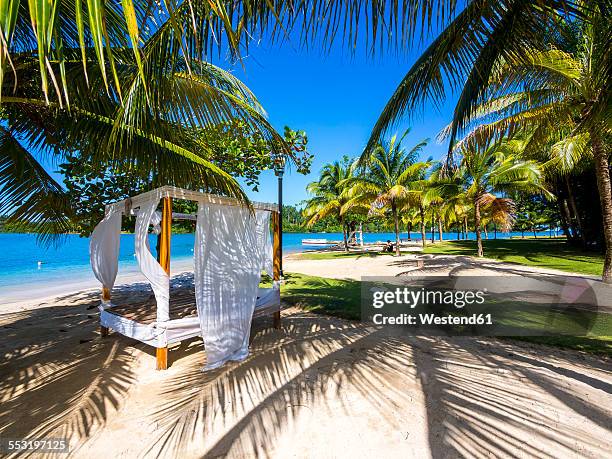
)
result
[(279, 170)]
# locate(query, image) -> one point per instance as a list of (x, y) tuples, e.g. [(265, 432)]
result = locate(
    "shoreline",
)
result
[(15, 297), (47, 292)]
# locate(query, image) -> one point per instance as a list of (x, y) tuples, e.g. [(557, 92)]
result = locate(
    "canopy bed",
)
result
[(232, 247)]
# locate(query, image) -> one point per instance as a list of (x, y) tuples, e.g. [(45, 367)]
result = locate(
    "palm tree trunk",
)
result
[(440, 229), (409, 228), (566, 219), (423, 236), (465, 226), (572, 202), (346, 249), (485, 231), (495, 231), (477, 225), (602, 170), (396, 221)]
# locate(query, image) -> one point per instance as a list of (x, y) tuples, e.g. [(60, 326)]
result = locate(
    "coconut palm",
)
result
[(330, 196), (387, 182), (457, 209), (562, 98), (465, 54), (415, 203), (491, 171), (104, 130)]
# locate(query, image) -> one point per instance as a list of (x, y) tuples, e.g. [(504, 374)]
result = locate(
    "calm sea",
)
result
[(25, 264)]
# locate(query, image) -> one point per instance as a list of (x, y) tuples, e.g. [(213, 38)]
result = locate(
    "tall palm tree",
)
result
[(562, 96), (491, 171), (330, 195), (387, 182)]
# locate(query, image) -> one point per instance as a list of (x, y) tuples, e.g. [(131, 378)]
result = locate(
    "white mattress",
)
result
[(173, 331)]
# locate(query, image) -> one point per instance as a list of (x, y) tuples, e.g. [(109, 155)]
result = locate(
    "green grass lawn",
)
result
[(543, 253), (342, 298), (336, 297)]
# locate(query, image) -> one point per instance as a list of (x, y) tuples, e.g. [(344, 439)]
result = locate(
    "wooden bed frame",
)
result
[(181, 305)]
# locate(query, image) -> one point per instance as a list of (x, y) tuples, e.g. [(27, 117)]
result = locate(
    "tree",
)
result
[(449, 190), (561, 96), (246, 153), (329, 195), (534, 212), (493, 170), (293, 220), (241, 152), (150, 139), (387, 181)]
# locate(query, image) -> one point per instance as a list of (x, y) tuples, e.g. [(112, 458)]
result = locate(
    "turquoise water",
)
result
[(69, 261)]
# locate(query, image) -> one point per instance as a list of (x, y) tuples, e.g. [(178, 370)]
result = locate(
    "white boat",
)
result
[(318, 242)]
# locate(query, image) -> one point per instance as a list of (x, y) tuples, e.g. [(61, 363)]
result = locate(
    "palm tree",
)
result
[(456, 210), (127, 133), (64, 40), (562, 98), (492, 170), (330, 196), (464, 57), (416, 199), (387, 182)]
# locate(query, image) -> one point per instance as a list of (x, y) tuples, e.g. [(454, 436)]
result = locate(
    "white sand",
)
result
[(319, 387)]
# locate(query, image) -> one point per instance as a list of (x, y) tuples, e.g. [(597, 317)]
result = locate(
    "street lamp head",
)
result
[(279, 165)]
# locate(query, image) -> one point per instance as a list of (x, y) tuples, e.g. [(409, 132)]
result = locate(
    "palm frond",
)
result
[(29, 196)]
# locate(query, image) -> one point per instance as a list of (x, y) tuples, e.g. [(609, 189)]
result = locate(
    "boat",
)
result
[(319, 242)]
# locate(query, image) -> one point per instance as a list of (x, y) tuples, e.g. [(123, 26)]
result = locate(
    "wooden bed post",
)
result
[(106, 296), (276, 257), (164, 261)]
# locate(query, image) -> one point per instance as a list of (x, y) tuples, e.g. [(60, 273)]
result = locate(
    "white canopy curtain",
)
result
[(149, 266), (104, 248), (264, 242), (230, 252)]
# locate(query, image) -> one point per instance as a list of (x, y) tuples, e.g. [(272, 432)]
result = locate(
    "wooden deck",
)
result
[(182, 304)]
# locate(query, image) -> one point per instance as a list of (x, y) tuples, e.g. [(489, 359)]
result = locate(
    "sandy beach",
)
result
[(318, 387)]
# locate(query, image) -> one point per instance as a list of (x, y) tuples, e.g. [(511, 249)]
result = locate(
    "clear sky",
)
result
[(335, 97)]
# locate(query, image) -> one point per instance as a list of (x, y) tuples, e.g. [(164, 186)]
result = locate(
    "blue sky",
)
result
[(335, 97)]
